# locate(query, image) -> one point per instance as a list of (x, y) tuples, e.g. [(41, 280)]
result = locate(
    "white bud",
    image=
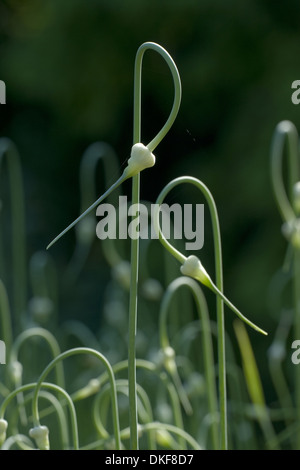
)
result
[(140, 158), (41, 436), (193, 267), (3, 428)]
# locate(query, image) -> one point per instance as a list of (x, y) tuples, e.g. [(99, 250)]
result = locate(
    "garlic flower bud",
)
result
[(140, 158), (193, 267), (41, 436)]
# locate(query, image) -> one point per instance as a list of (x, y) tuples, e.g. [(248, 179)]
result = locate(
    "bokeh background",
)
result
[(68, 68)]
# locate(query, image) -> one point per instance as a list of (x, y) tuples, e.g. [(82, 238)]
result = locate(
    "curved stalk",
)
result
[(104, 361), (49, 386), (288, 206), (50, 340), (202, 311), (202, 276)]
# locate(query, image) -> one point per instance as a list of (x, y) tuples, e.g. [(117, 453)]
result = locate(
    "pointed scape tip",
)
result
[(87, 211)]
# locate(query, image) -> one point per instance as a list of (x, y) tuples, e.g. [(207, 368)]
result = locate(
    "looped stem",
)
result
[(69, 353), (217, 288), (137, 93)]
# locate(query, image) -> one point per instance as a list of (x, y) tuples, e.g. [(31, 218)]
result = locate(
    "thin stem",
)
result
[(72, 352), (49, 386), (144, 408), (85, 233), (51, 341), (219, 284), (58, 406), (286, 131), (147, 366), (60, 415), (137, 93), (167, 427), (253, 382), (133, 325), (202, 311), (21, 440), (237, 312), (136, 200)]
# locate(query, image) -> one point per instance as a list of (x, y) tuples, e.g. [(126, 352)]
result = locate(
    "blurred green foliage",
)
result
[(68, 67)]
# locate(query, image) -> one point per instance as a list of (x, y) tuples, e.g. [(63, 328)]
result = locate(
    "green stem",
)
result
[(136, 200), (133, 325), (60, 415), (72, 352), (167, 427), (57, 405), (49, 386), (286, 131), (144, 409), (219, 284), (85, 233), (91, 389), (207, 342), (51, 341), (253, 381), (22, 441)]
